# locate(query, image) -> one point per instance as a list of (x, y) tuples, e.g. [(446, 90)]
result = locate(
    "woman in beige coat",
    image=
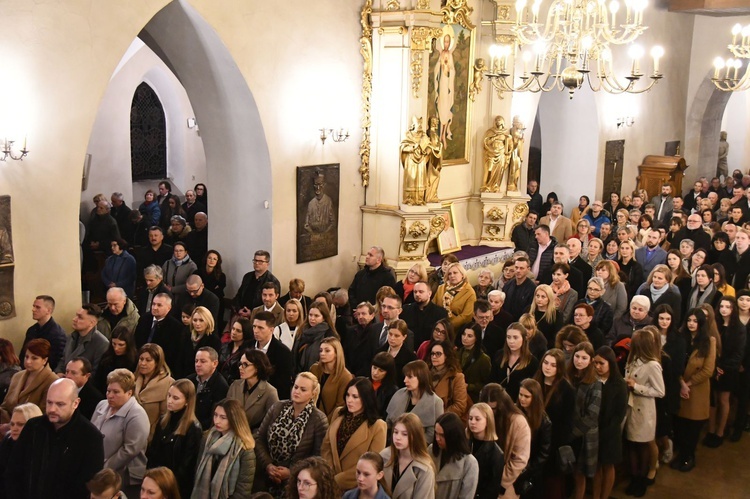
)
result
[(152, 382), (456, 296), (31, 384), (408, 455), (355, 429), (695, 390), (333, 376), (252, 389)]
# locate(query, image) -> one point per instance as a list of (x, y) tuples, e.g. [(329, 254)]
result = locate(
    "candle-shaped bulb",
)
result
[(657, 53)]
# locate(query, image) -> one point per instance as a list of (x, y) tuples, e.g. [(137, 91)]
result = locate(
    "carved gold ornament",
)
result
[(437, 224), (494, 230), (410, 246), (365, 43), (457, 12), (496, 214), (393, 5), (417, 229), (520, 211), (423, 4), (420, 42), (403, 229)]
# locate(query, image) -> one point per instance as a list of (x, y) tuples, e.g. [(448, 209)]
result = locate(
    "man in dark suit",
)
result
[(154, 277), (651, 254), (159, 327), (278, 354), (575, 260), (523, 233), (269, 295), (79, 371), (690, 204), (191, 207), (493, 338), (359, 342), (742, 254), (156, 253), (46, 328), (210, 385), (197, 295), (422, 315), (390, 310), (371, 278)]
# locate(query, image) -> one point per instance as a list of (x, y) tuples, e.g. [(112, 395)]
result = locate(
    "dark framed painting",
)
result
[(449, 77), (317, 212), (7, 261)]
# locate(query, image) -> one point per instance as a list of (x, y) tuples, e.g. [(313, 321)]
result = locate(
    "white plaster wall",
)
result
[(735, 123), (109, 144)]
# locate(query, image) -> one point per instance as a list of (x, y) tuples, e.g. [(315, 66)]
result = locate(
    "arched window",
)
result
[(148, 135)]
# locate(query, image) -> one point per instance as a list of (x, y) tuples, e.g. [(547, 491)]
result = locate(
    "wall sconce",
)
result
[(625, 121), (7, 151), (339, 135)]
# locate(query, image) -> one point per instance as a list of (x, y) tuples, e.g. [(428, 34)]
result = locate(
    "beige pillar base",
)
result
[(500, 213)]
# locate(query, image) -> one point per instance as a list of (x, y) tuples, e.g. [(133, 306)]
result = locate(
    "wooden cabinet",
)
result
[(656, 170)]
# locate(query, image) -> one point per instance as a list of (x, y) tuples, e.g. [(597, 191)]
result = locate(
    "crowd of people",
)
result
[(608, 342)]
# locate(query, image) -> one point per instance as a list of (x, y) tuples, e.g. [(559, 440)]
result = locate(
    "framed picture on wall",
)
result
[(448, 240), (449, 77), (317, 212)]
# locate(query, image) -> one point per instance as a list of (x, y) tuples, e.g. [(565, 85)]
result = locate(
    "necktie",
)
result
[(153, 330), (383, 335)]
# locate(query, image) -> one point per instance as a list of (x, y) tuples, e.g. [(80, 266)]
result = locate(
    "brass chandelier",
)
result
[(573, 45), (727, 72)]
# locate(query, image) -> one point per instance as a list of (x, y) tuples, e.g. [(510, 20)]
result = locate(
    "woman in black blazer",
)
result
[(633, 270), (611, 415), (654, 289)]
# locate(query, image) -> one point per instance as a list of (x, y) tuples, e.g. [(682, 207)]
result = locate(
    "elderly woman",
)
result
[(178, 229), (615, 293), (291, 431), (635, 319), (178, 268), (507, 275), (603, 313), (31, 384), (119, 268), (456, 296), (125, 426), (485, 279), (21, 414), (404, 287), (252, 389), (152, 383)]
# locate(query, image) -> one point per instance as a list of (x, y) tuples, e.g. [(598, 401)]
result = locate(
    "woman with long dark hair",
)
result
[(214, 278), (559, 403), (318, 325), (457, 469), (395, 345), (448, 381), (416, 397), (121, 354), (355, 429), (515, 362), (383, 379), (240, 338), (441, 331), (720, 280), (475, 364), (177, 437), (152, 382), (585, 442), (728, 364), (252, 389), (695, 388), (531, 402)]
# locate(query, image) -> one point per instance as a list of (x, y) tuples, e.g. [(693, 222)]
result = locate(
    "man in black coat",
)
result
[(493, 338), (523, 233), (249, 295), (370, 279), (156, 253), (536, 202), (210, 385), (154, 278), (191, 207), (159, 327), (359, 342), (121, 213), (197, 239), (56, 454), (541, 254), (575, 260), (390, 310), (519, 292), (741, 254), (79, 371), (278, 354), (693, 231), (45, 328), (197, 295), (422, 315)]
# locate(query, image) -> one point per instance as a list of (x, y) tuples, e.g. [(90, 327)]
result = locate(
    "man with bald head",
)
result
[(197, 295), (120, 311), (693, 230), (56, 454), (370, 279)]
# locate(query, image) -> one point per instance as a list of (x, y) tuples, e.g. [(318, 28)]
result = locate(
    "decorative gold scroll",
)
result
[(421, 41), (365, 44), (457, 12)]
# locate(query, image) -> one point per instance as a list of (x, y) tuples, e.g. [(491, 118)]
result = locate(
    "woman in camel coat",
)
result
[(333, 376), (456, 296), (152, 382), (361, 407), (37, 375)]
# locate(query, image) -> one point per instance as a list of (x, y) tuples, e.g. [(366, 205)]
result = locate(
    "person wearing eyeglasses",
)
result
[(312, 478), (249, 295), (448, 381)]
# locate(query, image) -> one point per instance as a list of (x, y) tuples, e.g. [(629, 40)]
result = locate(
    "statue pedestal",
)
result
[(500, 213)]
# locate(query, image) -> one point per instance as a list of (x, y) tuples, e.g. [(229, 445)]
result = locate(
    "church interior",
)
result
[(247, 86)]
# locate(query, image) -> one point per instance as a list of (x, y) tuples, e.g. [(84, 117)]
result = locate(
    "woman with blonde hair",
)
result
[(537, 341), (630, 267), (483, 444), (21, 414), (202, 330), (294, 318), (405, 286), (152, 382), (291, 431), (658, 290), (409, 472), (226, 465), (595, 250), (544, 309), (514, 363), (177, 437), (583, 234), (333, 375), (355, 429), (615, 294), (456, 296)]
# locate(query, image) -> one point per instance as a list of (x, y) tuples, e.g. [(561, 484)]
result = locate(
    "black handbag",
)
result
[(523, 487), (566, 459)]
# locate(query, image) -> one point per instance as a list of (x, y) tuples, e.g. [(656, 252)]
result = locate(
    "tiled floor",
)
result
[(722, 473)]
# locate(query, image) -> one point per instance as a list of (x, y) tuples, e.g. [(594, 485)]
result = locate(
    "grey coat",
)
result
[(92, 347), (458, 479), (125, 438), (586, 426), (416, 482), (427, 409), (175, 276), (617, 298), (257, 404)]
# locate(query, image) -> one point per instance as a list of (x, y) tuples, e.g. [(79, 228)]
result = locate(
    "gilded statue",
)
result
[(476, 83), (414, 154), (498, 146), (434, 160), (514, 164)]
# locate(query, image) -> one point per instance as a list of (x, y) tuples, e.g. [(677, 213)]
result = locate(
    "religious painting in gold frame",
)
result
[(449, 77), (448, 240)]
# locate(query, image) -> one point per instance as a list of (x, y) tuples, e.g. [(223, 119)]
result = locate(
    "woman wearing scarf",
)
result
[(579, 211), (704, 290), (318, 325), (226, 465), (659, 291), (456, 296), (178, 268), (448, 382), (291, 431)]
